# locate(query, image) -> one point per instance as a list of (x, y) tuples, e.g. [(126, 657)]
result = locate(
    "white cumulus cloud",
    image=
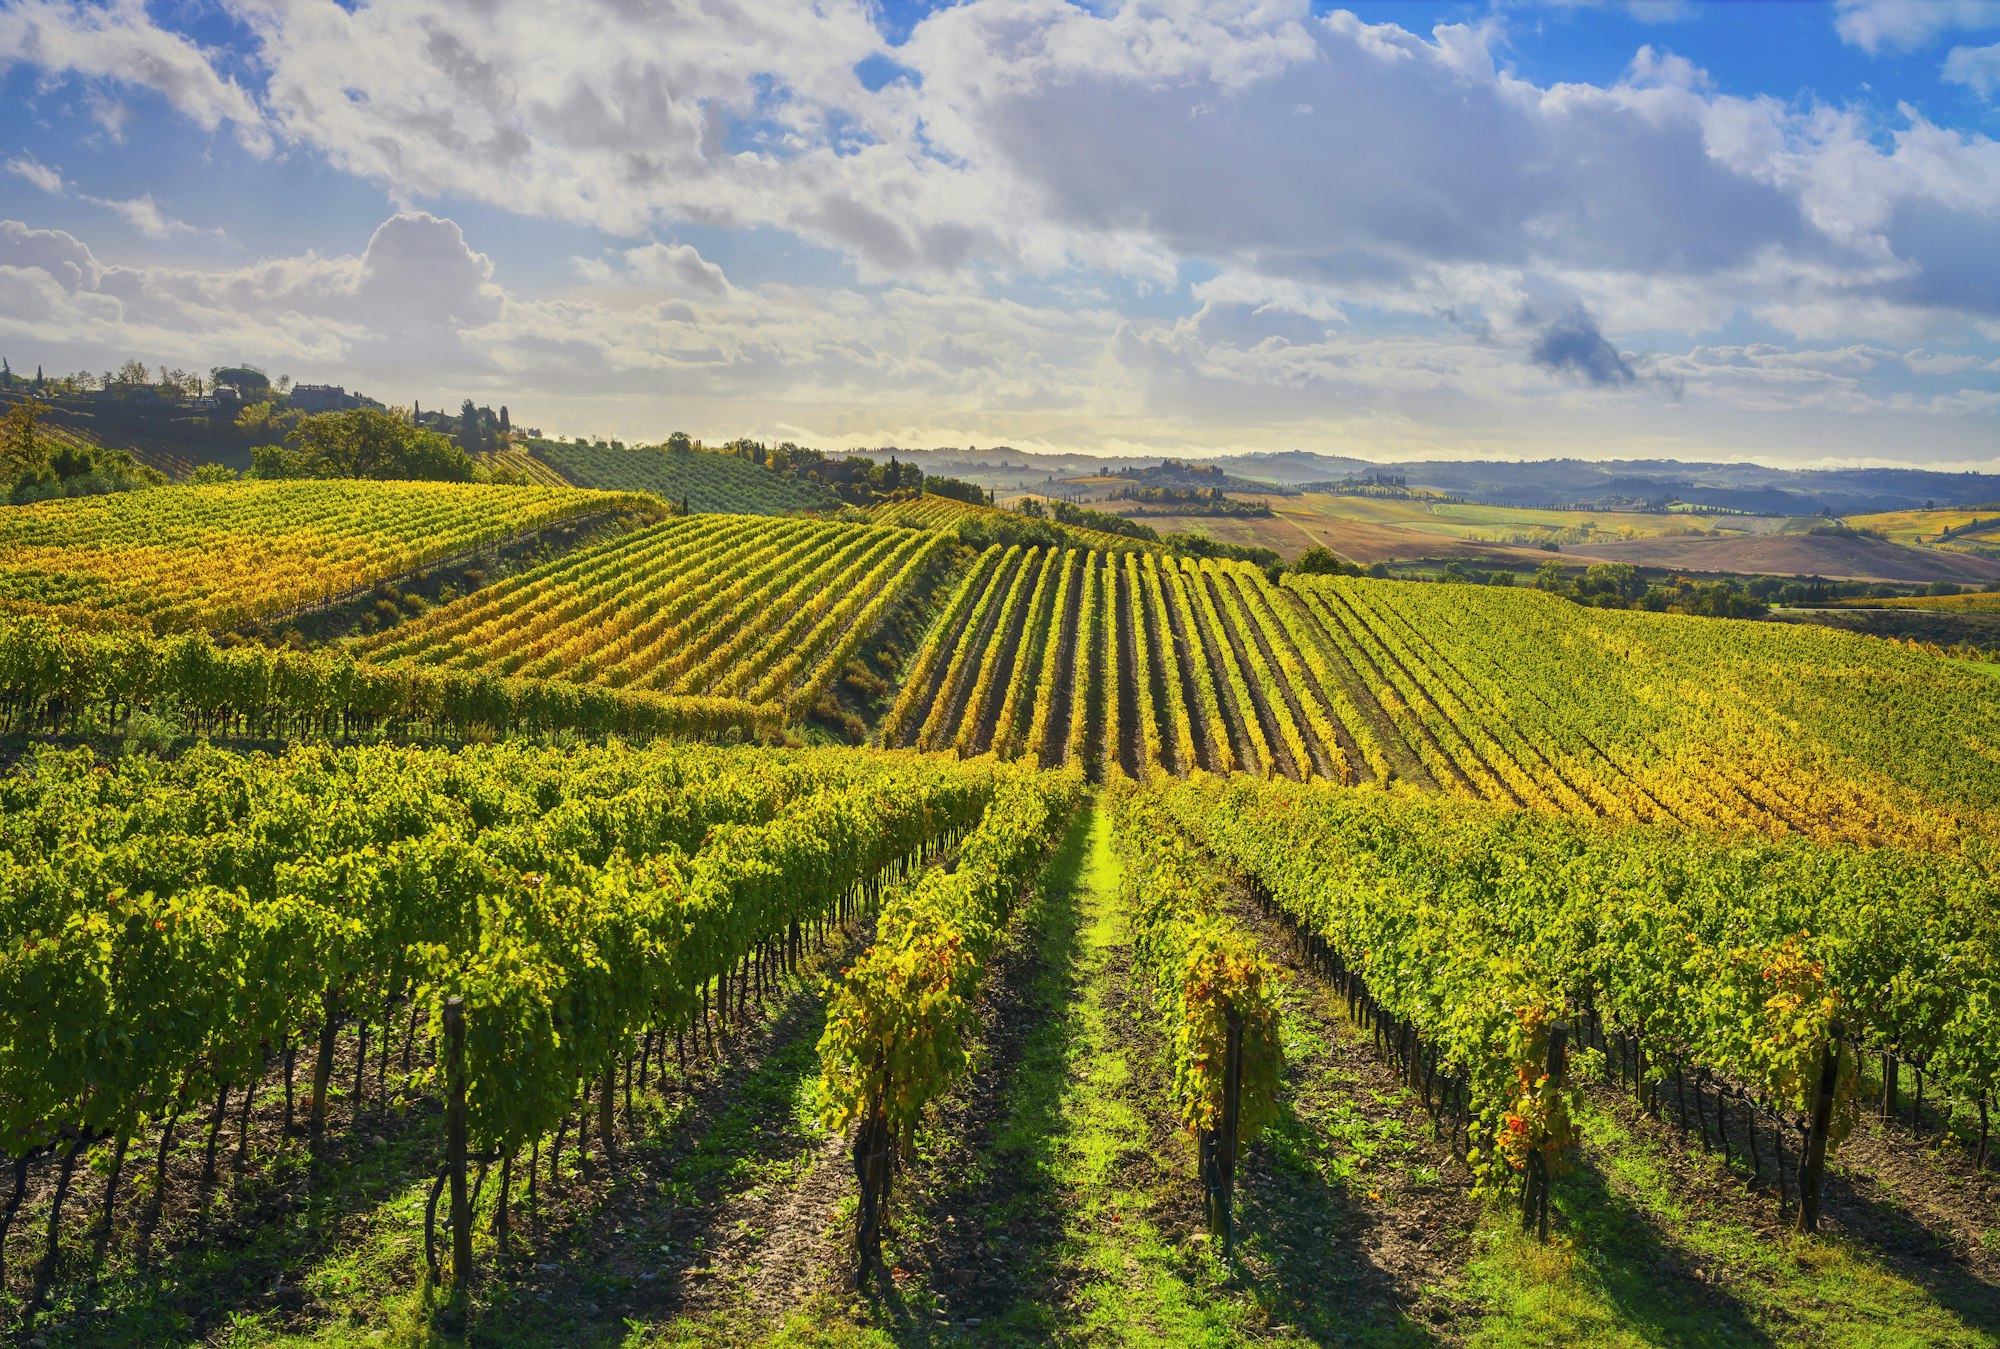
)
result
[(118, 41), (1975, 67), (1903, 25)]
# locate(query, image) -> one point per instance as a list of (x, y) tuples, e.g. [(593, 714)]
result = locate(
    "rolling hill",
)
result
[(1835, 556), (704, 480)]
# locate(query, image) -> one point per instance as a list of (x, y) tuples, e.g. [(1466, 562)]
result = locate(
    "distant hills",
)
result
[(1562, 483), (1751, 488), (1839, 556)]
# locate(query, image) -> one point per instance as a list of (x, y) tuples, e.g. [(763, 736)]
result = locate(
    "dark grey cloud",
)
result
[(1573, 345)]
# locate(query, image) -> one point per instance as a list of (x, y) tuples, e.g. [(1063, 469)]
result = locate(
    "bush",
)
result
[(146, 733), (1319, 561)]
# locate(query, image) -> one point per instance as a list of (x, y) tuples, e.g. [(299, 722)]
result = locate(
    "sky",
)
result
[(1749, 231)]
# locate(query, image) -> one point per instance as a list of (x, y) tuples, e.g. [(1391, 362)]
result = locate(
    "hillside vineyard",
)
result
[(1133, 662), (216, 557), (723, 605), (543, 918)]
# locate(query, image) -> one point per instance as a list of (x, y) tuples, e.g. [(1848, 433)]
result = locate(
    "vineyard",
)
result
[(522, 462), (727, 606), (181, 558), (949, 513), (1143, 665), (699, 479), (1196, 954), (1133, 663)]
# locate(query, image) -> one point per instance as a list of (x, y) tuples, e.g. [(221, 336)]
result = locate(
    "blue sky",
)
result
[(1745, 231)]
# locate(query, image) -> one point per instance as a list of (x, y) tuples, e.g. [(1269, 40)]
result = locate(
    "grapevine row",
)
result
[(1215, 995), (571, 909), (61, 680), (767, 611), (1521, 696), (218, 556), (1172, 665), (1754, 963), (902, 1016)]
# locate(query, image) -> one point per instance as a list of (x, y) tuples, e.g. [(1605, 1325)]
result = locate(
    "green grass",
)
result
[(1137, 1285), (1078, 1178), (1649, 1255), (1341, 1159)]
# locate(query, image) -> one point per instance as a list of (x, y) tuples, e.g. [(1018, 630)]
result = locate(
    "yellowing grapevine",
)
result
[(177, 558), (730, 606), (1129, 661), (526, 464), (1143, 665)]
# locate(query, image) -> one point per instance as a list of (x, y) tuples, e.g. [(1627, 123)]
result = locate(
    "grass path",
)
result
[(1125, 1172), (1056, 1203), (1084, 1187)]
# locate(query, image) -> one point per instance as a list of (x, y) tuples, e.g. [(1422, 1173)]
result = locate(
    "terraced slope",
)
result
[(949, 513), (524, 463), (1524, 698)]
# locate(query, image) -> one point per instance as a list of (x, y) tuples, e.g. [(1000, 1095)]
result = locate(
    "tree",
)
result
[(38, 378), (955, 488), (130, 379), (1318, 561), (6, 373), (209, 474), (39, 468), (1549, 577), (21, 447), (178, 383), (471, 433), (505, 425), (268, 417), (363, 443), (1620, 580), (248, 380), (680, 442)]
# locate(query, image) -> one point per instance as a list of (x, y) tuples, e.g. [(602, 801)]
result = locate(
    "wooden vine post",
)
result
[(455, 1150), (1218, 1145), (871, 1169), (329, 1027), (1535, 1192), (1812, 1167)]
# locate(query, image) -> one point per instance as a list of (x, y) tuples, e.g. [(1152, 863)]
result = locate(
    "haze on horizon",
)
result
[(1521, 230)]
